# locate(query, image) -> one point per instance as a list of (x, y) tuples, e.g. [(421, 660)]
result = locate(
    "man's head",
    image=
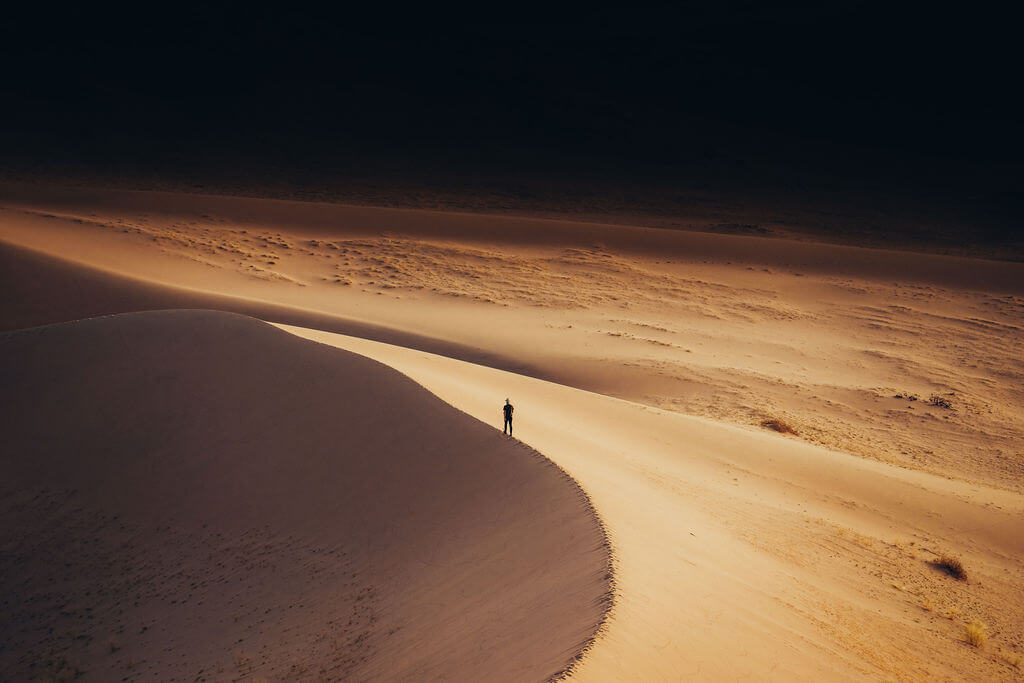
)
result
[(506, 400)]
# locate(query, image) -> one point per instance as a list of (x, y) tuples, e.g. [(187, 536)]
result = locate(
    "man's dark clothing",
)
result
[(508, 418)]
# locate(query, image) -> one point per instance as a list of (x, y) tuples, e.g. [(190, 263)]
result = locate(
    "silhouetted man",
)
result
[(508, 417)]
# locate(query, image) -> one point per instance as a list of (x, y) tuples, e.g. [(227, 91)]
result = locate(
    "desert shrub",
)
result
[(778, 425), (940, 401), (907, 395), (976, 633), (952, 566)]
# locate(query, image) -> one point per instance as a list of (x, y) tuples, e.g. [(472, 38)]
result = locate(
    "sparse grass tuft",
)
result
[(778, 425), (952, 566), (976, 633), (940, 401), (1011, 658)]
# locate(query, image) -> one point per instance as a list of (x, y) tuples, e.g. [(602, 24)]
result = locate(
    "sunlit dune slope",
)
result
[(745, 555), (194, 494)]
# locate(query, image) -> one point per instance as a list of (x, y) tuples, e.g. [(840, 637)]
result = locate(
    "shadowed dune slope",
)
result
[(196, 494)]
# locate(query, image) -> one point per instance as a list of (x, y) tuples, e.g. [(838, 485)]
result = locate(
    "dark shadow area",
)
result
[(899, 121)]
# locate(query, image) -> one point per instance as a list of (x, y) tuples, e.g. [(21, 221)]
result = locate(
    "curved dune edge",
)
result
[(451, 552), (719, 534), (608, 599)]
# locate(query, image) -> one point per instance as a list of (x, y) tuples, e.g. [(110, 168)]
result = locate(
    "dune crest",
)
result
[(197, 494), (744, 554)]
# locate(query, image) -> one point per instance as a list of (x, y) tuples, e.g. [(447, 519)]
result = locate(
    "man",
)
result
[(508, 417)]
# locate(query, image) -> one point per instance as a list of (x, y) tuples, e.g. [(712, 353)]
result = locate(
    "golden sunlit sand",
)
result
[(741, 553), (783, 439)]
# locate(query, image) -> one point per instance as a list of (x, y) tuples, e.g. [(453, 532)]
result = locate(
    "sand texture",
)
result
[(782, 438)]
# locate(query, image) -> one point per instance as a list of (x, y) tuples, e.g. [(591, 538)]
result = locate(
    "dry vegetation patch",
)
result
[(952, 566), (779, 425), (976, 633), (940, 401)]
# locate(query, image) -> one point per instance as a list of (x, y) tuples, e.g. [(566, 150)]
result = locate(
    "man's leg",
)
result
[(504, 429)]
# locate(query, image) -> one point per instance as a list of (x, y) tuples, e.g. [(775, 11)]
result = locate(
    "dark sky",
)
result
[(813, 86)]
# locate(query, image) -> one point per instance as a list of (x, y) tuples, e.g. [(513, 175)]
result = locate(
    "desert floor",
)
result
[(643, 363)]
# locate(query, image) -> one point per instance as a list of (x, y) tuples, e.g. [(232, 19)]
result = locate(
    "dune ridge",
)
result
[(741, 553), (197, 494)]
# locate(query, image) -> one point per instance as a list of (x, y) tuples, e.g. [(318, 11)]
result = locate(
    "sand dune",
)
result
[(735, 328), (199, 495), (739, 552)]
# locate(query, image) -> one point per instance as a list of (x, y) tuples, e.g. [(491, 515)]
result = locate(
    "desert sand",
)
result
[(740, 554), (643, 363), (197, 494)]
